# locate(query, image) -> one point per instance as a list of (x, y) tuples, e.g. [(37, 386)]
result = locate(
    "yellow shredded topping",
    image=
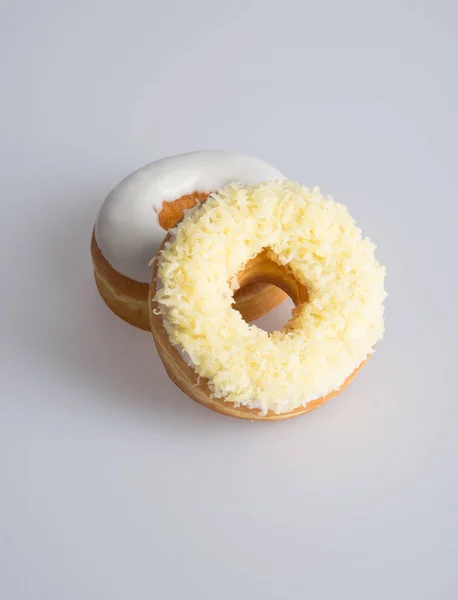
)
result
[(327, 338)]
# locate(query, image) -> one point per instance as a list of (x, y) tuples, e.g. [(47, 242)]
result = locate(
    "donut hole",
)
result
[(271, 283), (277, 318), (173, 211)]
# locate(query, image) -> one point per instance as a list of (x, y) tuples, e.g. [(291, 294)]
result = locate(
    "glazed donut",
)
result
[(137, 213), (287, 235)]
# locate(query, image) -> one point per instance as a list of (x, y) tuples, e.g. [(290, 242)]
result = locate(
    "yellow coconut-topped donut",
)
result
[(282, 233)]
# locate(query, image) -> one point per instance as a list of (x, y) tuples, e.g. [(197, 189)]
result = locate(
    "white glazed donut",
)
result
[(129, 229)]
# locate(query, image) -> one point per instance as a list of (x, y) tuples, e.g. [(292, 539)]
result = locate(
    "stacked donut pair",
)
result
[(194, 247)]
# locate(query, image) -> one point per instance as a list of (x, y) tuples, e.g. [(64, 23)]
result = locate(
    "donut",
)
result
[(284, 234), (135, 217)]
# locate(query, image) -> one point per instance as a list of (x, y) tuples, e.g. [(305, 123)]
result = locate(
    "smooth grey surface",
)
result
[(115, 485)]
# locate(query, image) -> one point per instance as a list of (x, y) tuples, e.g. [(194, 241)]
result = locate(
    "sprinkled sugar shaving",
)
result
[(319, 241)]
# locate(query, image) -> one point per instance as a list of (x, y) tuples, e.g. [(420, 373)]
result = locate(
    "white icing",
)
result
[(127, 229)]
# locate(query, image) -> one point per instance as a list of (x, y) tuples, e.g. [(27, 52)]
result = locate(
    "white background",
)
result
[(113, 483)]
